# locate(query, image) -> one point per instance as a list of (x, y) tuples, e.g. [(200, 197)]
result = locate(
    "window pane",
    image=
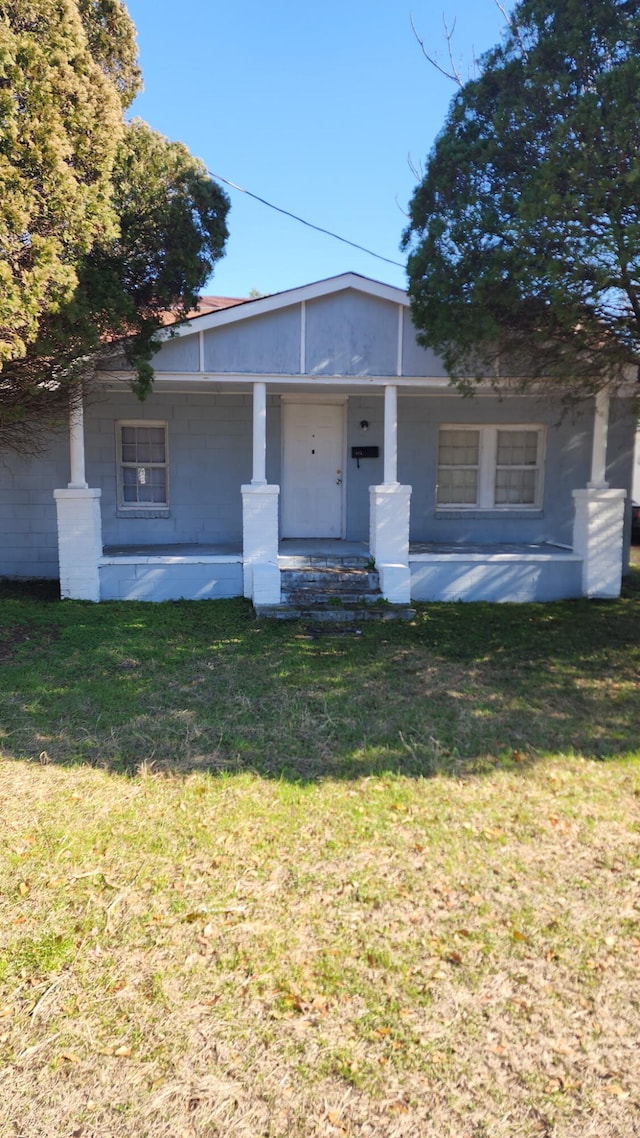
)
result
[(458, 487), (516, 487), (143, 483), (517, 448), (459, 448), (129, 485)]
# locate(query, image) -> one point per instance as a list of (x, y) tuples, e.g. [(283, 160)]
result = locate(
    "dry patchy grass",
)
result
[(385, 956)]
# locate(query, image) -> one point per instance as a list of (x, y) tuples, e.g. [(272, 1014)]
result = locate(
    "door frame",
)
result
[(336, 401)]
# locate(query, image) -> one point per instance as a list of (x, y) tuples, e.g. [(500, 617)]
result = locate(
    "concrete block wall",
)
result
[(149, 581), (28, 527), (497, 580), (567, 467), (209, 450)]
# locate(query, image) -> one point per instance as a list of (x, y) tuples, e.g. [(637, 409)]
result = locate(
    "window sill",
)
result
[(491, 512), (152, 512)]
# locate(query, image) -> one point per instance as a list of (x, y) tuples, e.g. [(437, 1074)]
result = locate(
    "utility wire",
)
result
[(302, 221)]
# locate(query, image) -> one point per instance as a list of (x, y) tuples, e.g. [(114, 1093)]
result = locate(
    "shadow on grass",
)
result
[(201, 686)]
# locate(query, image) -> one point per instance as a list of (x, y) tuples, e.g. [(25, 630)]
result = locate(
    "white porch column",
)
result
[(598, 479), (598, 524), (76, 446), (79, 523), (390, 476), (259, 474), (260, 528), (389, 506)]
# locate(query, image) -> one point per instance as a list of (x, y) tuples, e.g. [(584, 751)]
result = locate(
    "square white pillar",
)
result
[(389, 539), (79, 542), (260, 543), (598, 538)]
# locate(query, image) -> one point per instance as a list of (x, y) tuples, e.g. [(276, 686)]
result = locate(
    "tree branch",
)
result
[(454, 74)]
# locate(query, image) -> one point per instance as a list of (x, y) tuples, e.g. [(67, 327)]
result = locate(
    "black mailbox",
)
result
[(364, 452)]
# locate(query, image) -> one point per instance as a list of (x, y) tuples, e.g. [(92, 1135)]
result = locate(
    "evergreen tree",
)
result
[(524, 233), (104, 224), (63, 87)]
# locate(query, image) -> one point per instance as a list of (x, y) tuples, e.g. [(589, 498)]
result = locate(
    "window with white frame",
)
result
[(490, 467), (142, 465)]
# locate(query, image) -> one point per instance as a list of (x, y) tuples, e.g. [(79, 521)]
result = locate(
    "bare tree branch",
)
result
[(454, 74), (417, 171), (505, 15)]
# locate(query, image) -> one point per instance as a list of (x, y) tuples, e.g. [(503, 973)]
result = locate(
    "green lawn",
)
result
[(261, 881), (187, 686)]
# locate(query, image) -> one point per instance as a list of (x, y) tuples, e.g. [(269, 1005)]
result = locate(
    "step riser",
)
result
[(291, 561), (300, 578), (336, 615), (328, 600)]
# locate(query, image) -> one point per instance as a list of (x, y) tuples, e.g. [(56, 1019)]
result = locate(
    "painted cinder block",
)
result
[(157, 583), (79, 542), (598, 536), (389, 539), (260, 539), (515, 581)]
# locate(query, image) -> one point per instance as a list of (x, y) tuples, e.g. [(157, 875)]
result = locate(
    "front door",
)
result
[(312, 469)]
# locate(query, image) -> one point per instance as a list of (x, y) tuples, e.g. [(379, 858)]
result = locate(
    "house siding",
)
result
[(263, 345), (349, 334)]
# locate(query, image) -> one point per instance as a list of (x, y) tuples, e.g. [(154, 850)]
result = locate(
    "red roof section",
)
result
[(207, 304)]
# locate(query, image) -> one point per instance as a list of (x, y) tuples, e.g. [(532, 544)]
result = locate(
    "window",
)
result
[(490, 467), (142, 465)]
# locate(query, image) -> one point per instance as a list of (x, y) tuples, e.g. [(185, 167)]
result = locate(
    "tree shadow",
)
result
[(201, 686)]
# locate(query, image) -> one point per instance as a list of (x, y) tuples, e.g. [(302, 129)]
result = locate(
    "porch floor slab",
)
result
[(333, 548), (464, 551)]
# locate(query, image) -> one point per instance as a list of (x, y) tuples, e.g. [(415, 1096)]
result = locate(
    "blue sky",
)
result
[(316, 107)]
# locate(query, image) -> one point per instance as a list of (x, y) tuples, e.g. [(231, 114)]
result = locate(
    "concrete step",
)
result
[(325, 598), (331, 590), (306, 561), (343, 615), (324, 586), (337, 577)]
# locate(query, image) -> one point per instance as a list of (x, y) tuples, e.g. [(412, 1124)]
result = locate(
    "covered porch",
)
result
[(408, 570)]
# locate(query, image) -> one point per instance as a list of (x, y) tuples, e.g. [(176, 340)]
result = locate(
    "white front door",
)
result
[(312, 469)]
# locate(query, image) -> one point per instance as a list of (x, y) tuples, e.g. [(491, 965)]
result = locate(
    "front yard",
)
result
[(265, 881)]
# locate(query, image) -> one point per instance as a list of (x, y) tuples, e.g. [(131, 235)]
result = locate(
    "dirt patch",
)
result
[(11, 639)]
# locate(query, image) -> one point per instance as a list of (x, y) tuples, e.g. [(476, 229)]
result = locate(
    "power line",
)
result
[(309, 224)]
